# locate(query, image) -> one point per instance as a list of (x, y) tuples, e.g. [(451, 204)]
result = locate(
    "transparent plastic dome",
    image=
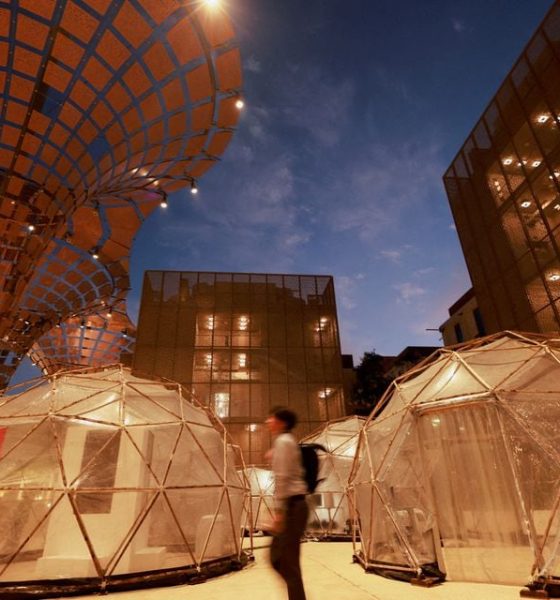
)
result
[(108, 479), (329, 514), (261, 490), (458, 472)]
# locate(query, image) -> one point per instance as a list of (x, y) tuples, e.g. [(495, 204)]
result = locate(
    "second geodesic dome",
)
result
[(459, 472), (261, 496), (110, 480), (329, 514)]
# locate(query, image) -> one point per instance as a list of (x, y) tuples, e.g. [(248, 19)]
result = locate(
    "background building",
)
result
[(504, 192), (465, 321), (244, 343)]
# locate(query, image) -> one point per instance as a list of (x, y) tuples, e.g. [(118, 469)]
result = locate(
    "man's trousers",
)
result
[(285, 548)]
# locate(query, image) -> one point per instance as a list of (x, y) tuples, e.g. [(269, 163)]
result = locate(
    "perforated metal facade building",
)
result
[(244, 343), (504, 191)]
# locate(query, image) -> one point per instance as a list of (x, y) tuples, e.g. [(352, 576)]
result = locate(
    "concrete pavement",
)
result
[(329, 574)]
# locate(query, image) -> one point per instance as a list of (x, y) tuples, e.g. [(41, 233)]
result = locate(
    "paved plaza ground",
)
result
[(329, 574)]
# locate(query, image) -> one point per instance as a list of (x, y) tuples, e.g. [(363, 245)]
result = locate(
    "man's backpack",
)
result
[(310, 460)]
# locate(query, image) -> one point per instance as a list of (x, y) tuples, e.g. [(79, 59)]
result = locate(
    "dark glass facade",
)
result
[(244, 343), (504, 192)]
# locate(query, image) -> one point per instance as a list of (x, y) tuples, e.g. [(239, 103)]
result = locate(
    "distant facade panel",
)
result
[(465, 321), (244, 343), (504, 192)]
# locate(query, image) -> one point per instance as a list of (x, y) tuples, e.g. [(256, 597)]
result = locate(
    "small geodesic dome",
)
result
[(458, 472), (261, 495), (329, 514), (109, 480)]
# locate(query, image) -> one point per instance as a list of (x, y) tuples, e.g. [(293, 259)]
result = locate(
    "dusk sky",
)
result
[(354, 111)]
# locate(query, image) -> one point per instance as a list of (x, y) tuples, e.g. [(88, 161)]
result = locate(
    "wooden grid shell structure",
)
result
[(109, 480), (330, 515), (106, 108), (458, 472)]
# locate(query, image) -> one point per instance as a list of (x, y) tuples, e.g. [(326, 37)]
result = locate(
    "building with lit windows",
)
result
[(465, 321), (105, 109), (504, 192), (244, 343)]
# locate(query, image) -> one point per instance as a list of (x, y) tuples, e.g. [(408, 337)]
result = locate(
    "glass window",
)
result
[(479, 322), (220, 404)]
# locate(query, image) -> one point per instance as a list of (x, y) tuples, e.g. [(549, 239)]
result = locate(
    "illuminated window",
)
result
[(221, 404)]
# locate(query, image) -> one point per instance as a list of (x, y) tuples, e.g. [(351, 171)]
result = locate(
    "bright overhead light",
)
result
[(239, 104), (163, 204), (194, 188), (535, 163), (542, 118), (526, 204), (31, 228), (507, 161), (554, 277), (212, 3)]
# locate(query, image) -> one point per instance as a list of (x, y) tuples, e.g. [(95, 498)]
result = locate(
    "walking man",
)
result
[(290, 516)]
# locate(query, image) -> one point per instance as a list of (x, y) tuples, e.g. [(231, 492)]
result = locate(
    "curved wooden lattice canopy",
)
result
[(106, 106)]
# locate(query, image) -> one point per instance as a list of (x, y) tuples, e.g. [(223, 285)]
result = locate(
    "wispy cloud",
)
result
[(380, 187), (347, 287), (317, 103), (252, 65), (424, 271), (392, 255), (408, 291), (295, 239), (458, 25)]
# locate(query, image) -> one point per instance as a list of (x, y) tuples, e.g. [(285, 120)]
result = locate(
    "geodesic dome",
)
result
[(458, 473), (329, 514), (261, 496), (109, 480)]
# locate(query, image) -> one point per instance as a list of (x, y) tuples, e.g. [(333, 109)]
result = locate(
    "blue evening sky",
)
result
[(354, 111)]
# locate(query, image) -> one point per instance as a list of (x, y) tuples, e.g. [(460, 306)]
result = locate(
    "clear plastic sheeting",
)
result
[(104, 474), (329, 514), (261, 497), (458, 470)]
